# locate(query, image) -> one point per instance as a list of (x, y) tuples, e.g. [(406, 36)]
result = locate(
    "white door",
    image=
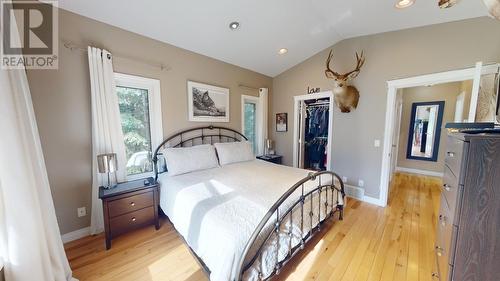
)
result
[(302, 132), (459, 108), (475, 92), (397, 132)]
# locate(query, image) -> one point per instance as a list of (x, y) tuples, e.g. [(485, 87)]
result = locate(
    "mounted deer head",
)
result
[(346, 97)]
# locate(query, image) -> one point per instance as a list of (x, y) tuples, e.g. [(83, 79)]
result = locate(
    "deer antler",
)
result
[(360, 61), (328, 69)]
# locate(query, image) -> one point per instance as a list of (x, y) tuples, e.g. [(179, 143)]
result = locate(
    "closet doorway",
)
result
[(313, 131)]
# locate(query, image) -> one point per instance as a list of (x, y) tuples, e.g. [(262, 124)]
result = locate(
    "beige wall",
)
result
[(389, 56), (61, 99), (448, 93)]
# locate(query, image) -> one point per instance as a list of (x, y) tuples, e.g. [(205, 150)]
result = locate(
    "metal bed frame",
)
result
[(275, 216)]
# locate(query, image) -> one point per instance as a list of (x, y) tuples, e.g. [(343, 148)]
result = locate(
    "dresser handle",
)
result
[(442, 219), (132, 204), (439, 251), (133, 219), (435, 275), (447, 187), (450, 154)]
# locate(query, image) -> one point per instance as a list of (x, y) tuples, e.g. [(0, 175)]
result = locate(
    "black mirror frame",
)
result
[(437, 139)]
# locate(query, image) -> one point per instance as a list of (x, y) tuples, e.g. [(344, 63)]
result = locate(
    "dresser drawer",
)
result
[(130, 221), (450, 189), (445, 232), (456, 150), (129, 204)]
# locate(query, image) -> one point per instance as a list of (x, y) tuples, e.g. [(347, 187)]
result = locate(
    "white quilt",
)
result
[(217, 210)]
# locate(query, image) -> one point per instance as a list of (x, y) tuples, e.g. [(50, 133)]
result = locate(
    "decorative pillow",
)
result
[(183, 160), (232, 152)]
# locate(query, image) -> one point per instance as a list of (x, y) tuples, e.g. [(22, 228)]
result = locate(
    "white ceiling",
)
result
[(305, 27)]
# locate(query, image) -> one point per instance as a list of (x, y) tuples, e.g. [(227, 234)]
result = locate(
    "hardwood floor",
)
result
[(371, 243)]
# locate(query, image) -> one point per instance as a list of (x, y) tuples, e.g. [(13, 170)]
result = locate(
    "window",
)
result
[(140, 112), (249, 117)]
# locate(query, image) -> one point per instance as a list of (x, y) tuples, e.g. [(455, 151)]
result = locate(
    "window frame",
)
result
[(155, 114), (258, 116)]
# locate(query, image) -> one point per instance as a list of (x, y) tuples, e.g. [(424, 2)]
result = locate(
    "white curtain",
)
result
[(30, 242), (107, 135), (262, 120)]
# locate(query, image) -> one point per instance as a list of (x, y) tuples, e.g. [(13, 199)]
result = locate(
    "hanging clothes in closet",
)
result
[(316, 136)]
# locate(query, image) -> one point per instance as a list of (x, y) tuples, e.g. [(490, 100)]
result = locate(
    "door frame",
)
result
[(473, 73), (258, 110), (296, 102)]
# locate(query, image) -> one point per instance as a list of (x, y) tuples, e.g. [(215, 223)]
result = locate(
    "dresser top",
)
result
[(484, 134)]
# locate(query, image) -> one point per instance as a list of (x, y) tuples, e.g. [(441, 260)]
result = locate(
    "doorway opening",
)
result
[(393, 144), (313, 125)]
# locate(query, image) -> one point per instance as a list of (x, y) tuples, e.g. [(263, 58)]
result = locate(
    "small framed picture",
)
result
[(281, 122), (207, 103)]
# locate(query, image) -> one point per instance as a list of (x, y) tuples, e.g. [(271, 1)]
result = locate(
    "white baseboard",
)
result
[(420, 172), (358, 193), (74, 235)]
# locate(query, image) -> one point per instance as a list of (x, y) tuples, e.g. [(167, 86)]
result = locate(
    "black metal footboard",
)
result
[(279, 214)]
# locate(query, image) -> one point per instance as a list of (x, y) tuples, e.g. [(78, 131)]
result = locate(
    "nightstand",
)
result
[(128, 206), (276, 159)]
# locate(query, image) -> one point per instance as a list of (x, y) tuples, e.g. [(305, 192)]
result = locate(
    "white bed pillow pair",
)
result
[(183, 160)]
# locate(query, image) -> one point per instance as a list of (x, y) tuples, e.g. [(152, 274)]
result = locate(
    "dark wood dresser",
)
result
[(468, 231), (129, 206)]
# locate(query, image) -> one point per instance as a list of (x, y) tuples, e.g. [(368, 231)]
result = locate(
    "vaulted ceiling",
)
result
[(304, 27)]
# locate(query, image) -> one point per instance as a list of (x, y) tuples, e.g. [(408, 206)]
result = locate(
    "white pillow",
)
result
[(232, 152), (181, 160)]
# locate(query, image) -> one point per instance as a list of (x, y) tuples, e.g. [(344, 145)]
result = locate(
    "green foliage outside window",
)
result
[(134, 113)]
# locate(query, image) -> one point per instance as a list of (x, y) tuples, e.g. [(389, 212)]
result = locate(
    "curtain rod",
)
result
[(72, 47)]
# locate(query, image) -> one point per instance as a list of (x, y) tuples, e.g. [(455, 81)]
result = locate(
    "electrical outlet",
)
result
[(361, 183), (376, 143), (344, 179), (82, 211)]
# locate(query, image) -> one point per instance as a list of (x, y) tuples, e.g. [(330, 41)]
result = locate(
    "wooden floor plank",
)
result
[(371, 243)]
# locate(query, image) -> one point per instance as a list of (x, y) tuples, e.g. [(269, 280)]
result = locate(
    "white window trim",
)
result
[(155, 114), (258, 116)]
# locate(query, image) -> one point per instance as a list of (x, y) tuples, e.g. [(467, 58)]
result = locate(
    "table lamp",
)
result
[(107, 163), (269, 147)]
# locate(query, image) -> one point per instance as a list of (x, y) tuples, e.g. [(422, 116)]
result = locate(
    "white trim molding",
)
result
[(358, 193), (75, 235), (419, 172)]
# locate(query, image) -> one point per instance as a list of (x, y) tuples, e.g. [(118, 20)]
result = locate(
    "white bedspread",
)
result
[(217, 210)]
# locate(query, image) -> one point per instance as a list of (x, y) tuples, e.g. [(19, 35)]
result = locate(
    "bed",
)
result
[(245, 220)]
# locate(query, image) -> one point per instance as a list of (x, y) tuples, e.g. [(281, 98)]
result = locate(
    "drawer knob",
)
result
[(435, 275), (450, 154), (133, 219), (132, 204), (447, 187)]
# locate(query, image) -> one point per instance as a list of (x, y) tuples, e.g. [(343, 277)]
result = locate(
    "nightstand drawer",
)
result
[(130, 204), (130, 221)]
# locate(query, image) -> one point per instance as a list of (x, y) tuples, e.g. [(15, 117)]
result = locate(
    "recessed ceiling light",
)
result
[(444, 4), (283, 51), (234, 25), (401, 4)]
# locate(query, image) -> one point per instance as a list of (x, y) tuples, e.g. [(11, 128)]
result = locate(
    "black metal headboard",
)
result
[(197, 136)]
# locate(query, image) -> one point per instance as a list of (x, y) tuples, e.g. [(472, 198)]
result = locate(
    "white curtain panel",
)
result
[(262, 120), (107, 135), (30, 242)]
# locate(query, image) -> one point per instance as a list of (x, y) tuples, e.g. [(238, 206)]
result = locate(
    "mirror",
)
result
[(425, 130)]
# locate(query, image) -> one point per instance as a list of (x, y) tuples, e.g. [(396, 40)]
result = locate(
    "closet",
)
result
[(314, 128)]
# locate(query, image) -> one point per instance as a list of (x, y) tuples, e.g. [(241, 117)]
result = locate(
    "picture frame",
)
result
[(282, 122), (207, 103)]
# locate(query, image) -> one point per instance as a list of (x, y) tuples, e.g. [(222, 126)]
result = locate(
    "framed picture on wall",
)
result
[(281, 122), (207, 103)]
